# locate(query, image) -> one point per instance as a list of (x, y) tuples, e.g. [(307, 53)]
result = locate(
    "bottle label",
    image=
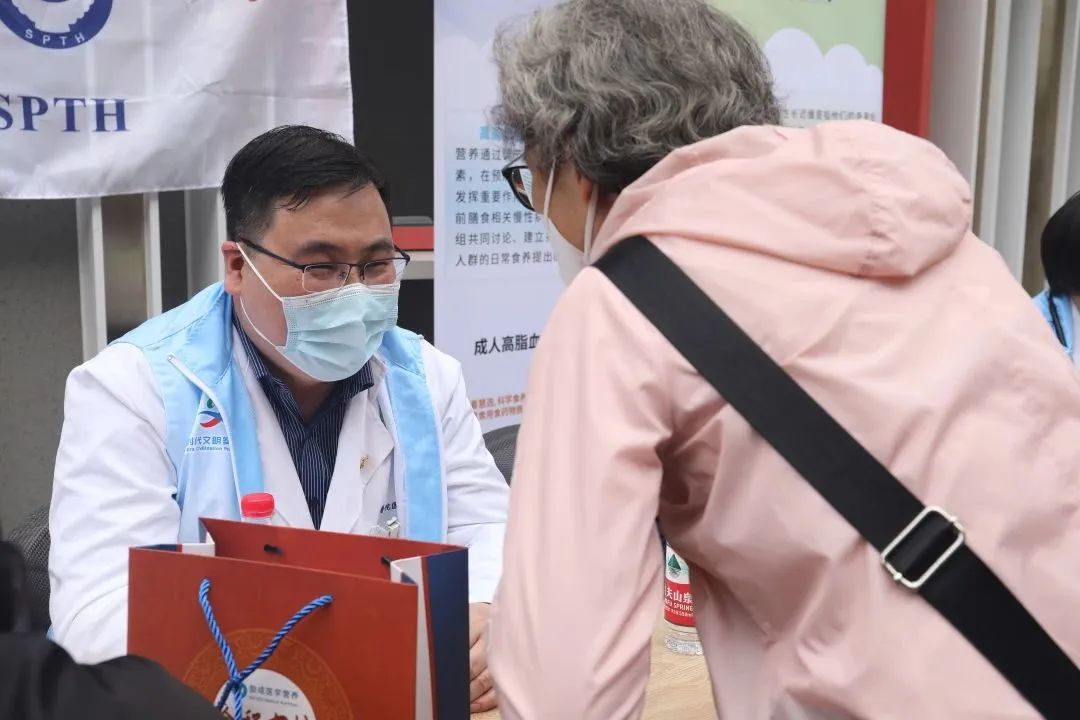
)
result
[(678, 604)]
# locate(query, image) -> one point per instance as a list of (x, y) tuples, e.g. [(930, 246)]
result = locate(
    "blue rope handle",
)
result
[(235, 685)]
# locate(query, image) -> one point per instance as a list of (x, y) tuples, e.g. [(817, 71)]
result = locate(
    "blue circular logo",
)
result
[(55, 24)]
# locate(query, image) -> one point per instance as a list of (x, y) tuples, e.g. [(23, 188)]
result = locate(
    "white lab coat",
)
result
[(114, 485)]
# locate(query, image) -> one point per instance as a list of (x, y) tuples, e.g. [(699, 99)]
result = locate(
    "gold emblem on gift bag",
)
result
[(295, 682)]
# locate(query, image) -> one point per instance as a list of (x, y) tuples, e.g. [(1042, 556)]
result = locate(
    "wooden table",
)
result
[(678, 686)]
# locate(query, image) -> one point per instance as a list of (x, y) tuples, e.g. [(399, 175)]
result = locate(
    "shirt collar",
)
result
[(346, 389)]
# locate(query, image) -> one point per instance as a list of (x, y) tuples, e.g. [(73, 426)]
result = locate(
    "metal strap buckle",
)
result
[(897, 575)]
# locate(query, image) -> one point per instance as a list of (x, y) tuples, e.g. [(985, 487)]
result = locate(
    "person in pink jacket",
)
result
[(846, 253)]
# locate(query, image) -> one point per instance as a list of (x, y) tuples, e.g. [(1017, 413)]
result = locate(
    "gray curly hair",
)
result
[(616, 85)]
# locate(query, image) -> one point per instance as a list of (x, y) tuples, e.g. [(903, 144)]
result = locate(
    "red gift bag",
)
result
[(294, 624)]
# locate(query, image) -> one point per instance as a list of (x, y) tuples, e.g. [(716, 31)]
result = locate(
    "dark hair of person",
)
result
[(285, 168), (1061, 249)]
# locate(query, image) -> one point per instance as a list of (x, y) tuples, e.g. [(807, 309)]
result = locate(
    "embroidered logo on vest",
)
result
[(209, 432)]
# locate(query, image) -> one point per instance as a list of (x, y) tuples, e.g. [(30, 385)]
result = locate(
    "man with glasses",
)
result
[(290, 378)]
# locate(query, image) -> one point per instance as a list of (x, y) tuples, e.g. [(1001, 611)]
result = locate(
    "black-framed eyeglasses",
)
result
[(519, 177), (319, 277)]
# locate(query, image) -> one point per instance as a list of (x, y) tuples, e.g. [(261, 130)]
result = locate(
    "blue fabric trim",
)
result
[(199, 335), (418, 435), (158, 338), (1065, 313)]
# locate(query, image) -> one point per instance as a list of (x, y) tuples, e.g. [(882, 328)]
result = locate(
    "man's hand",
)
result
[(481, 687)]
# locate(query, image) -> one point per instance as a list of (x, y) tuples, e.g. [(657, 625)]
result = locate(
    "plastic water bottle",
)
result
[(681, 636), (257, 508)]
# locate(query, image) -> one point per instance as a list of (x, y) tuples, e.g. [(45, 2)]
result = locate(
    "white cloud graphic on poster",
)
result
[(840, 79)]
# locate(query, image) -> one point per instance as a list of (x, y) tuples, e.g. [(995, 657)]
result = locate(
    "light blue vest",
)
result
[(1063, 305), (210, 434)]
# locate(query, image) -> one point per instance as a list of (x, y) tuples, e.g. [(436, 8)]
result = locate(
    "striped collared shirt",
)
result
[(313, 445)]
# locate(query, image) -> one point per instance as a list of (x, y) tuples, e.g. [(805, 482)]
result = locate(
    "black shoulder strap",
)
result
[(922, 548)]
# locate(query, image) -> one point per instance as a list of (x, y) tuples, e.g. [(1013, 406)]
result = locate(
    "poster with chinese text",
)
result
[(496, 279)]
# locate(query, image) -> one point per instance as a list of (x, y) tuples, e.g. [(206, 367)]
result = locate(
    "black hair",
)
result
[(285, 168), (1061, 249)]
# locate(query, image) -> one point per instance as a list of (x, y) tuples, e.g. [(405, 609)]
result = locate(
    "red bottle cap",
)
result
[(257, 505)]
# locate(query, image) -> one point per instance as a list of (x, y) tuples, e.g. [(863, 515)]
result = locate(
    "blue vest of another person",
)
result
[(1063, 305)]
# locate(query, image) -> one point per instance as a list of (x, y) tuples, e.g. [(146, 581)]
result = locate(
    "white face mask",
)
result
[(332, 334), (571, 260)]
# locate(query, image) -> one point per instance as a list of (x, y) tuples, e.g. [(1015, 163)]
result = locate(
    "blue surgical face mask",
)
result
[(332, 334)]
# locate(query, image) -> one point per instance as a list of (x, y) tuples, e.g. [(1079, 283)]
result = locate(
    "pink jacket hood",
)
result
[(905, 205)]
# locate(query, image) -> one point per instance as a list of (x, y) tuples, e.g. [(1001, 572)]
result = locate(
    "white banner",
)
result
[(100, 97), (496, 280)]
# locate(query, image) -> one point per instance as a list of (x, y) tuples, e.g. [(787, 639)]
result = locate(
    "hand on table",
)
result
[(481, 687)]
